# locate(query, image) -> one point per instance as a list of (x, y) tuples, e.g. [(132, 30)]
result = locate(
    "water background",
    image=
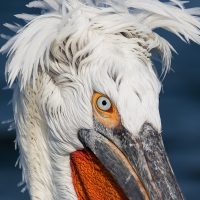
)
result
[(179, 109)]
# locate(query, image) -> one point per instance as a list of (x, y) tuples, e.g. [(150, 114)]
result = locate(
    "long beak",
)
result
[(138, 163)]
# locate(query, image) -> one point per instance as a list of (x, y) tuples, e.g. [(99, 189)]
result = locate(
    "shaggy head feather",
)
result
[(59, 58)]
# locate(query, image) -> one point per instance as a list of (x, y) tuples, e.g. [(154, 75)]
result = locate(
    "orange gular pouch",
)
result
[(91, 179)]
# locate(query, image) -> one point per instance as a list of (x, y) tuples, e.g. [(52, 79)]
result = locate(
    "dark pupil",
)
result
[(104, 102)]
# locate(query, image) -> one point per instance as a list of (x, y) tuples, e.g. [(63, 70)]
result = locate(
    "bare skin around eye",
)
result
[(109, 118)]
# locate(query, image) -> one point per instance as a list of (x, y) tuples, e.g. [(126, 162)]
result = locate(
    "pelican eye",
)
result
[(104, 103), (105, 111)]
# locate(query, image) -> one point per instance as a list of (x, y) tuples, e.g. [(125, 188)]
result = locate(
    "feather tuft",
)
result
[(171, 16)]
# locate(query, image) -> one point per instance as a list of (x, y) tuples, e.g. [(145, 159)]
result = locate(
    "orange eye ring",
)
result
[(105, 111)]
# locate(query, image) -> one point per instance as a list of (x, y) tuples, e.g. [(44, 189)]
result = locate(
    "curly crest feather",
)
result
[(64, 19)]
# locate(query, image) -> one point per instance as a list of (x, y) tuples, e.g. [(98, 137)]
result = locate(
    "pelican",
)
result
[(86, 97)]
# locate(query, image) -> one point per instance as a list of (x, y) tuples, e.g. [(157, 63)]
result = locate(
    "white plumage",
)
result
[(72, 49)]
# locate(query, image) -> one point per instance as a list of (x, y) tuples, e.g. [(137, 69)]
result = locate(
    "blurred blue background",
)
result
[(179, 109)]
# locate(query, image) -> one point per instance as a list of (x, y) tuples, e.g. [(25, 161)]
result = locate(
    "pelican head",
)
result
[(86, 97)]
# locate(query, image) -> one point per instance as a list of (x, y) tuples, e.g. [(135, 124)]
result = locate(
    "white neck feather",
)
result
[(46, 173)]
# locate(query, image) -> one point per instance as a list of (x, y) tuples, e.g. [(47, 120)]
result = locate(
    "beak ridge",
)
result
[(118, 165), (139, 164)]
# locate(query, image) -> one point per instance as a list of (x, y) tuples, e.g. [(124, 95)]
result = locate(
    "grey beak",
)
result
[(139, 164)]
